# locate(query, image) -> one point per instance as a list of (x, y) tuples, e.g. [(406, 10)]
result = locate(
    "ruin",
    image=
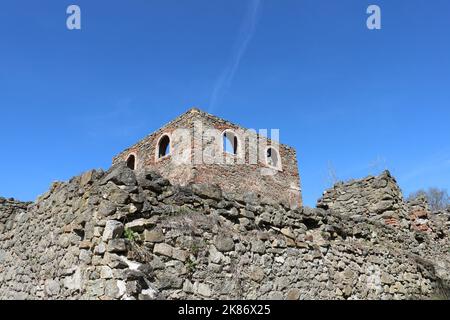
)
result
[(198, 147), (127, 234), (187, 213)]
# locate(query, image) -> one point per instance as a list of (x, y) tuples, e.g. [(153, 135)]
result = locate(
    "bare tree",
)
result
[(438, 199), (417, 194), (379, 164)]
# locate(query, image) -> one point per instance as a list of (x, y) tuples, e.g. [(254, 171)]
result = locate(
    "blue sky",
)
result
[(345, 97)]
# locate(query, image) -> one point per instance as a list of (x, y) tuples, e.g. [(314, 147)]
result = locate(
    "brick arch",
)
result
[(163, 148), (273, 158), (236, 143), (131, 161)]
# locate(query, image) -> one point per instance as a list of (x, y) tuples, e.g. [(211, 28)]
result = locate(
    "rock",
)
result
[(386, 278), (380, 183), (244, 222), (180, 254), (148, 294), (100, 249), (152, 186), (151, 175), (247, 214), (52, 287), (73, 282), (230, 214), (224, 243), (163, 249), (120, 174), (383, 206), (133, 287), (111, 289), (139, 225), (264, 218), (347, 291), (251, 198), (264, 236), (96, 288), (98, 231), (2, 255), (279, 243), (106, 209), (276, 295), (154, 236), (280, 260), (116, 195), (114, 261), (106, 272), (290, 242), (169, 281), (85, 256), (288, 233), (132, 209), (257, 274), (214, 255), (204, 290), (188, 287), (157, 264), (117, 246), (349, 274), (258, 246), (293, 294), (113, 229), (233, 213), (345, 197), (85, 244), (301, 244), (207, 191), (87, 178), (121, 285)]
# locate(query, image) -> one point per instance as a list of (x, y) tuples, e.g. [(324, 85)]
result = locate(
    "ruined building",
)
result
[(129, 233), (125, 234), (198, 147)]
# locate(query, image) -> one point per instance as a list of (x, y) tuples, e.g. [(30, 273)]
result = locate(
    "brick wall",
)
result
[(200, 158)]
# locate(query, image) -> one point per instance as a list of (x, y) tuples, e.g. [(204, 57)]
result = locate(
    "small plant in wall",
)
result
[(195, 249), (191, 265), (197, 246), (138, 250), (131, 235)]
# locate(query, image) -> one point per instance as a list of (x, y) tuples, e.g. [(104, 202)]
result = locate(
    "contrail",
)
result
[(245, 35)]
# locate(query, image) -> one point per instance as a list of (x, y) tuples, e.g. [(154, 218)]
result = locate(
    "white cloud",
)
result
[(248, 29)]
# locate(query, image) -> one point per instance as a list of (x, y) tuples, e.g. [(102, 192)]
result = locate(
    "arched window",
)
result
[(273, 157), (131, 162), (230, 142), (164, 146)]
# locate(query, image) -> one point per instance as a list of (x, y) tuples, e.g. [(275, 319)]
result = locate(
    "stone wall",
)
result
[(197, 157), (10, 209), (378, 198), (132, 235)]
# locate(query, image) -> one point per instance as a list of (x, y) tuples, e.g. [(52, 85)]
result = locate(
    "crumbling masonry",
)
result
[(127, 234), (180, 215)]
